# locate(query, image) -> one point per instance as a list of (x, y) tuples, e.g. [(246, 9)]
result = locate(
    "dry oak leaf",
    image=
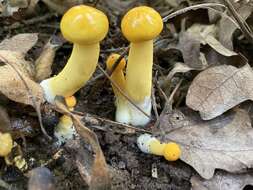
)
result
[(219, 89), (12, 86), (19, 43), (227, 28), (222, 181), (12, 52), (225, 142)]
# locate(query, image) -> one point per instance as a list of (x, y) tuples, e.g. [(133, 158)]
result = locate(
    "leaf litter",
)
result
[(214, 138)]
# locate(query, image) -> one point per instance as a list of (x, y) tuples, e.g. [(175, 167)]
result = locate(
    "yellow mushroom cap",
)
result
[(112, 59), (84, 25), (70, 101), (141, 24), (6, 144), (172, 151)]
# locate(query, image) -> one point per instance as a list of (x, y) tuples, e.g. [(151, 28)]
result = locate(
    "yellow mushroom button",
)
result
[(172, 151), (6, 144)]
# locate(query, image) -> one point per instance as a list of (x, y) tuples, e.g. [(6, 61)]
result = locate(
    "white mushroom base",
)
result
[(144, 141), (128, 114), (64, 130), (49, 95)]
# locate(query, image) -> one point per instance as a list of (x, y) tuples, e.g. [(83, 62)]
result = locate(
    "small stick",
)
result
[(118, 61), (29, 22), (123, 93), (243, 25), (154, 105), (168, 103), (193, 7)]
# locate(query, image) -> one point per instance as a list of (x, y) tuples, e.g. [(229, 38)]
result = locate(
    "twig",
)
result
[(243, 25), (123, 93), (118, 61), (103, 122), (29, 22), (37, 108), (174, 92), (162, 92), (168, 103), (193, 7), (154, 105)]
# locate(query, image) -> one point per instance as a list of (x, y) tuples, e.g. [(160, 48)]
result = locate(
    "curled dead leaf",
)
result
[(44, 62), (98, 176), (222, 143), (12, 86), (20, 43), (219, 89), (222, 181)]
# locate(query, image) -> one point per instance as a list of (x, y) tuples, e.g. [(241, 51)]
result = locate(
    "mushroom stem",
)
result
[(118, 77), (79, 68), (139, 80), (139, 70)]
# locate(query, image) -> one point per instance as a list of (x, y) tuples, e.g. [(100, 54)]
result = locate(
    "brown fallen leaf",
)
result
[(219, 89), (5, 123), (191, 41), (222, 181), (12, 86), (12, 51), (222, 143), (15, 48), (20, 43), (44, 62), (227, 28), (98, 176), (206, 34)]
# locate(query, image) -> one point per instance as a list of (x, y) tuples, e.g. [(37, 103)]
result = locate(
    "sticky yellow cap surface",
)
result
[(141, 24), (84, 25), (112, 59), (70, 101), (172, 151), (6, 144)]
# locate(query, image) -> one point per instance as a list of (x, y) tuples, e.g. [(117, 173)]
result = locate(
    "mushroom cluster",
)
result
[(85, 27)]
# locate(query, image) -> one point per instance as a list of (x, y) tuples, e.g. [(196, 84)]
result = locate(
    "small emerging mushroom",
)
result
[(65, 129), (6, 144), (140, 26), (151, 145), (122, 112), (85, 27)]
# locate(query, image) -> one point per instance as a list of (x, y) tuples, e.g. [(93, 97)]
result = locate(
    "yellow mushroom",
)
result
[(149, 144), (122, 113), (6, 144), (65, 129), (140, 26), (85, 27)]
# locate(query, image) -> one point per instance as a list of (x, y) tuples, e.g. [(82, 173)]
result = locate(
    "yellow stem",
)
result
[(157, 148), (139, 70), (79, 68)]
